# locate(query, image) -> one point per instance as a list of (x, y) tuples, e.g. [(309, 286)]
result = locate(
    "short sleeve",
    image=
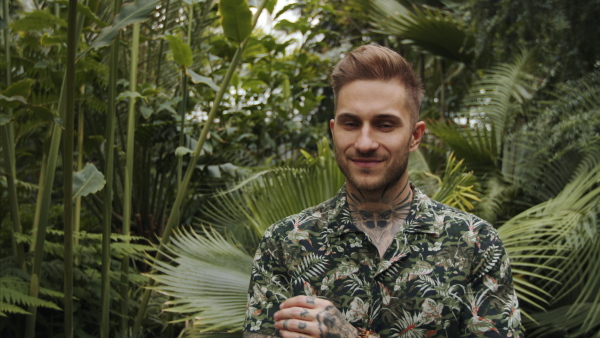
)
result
[(269, 287), (490, 306)]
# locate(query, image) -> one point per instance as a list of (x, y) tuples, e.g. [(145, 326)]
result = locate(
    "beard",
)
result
[(364, 179)]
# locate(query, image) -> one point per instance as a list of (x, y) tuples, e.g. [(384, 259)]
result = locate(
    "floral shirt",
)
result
[(446, 273)]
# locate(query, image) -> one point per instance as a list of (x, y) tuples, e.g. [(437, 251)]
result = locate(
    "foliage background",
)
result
[(512, 99)]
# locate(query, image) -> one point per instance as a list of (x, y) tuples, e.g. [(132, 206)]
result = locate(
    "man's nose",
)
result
[(366, 142)]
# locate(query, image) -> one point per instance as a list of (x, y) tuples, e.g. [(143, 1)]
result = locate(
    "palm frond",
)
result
[(431, 29), (560, 237), (456, 187), (496, 97), (207, 277), (476, 146)]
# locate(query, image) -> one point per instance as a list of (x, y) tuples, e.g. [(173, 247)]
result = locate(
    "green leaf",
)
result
[(236, 19), (87, 181), (128, 95), (38, 20), (146, 111), (43, 113), (182, 53), (181, 151), (197, 78), (14, 96), (130, 14)]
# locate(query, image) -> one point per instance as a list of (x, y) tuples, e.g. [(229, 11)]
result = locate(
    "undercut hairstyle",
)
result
[(374, 62)]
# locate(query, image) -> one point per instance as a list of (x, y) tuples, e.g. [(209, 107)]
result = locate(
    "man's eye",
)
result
[(385, 125)]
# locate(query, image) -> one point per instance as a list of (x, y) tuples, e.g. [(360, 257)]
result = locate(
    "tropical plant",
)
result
[(239, 216)]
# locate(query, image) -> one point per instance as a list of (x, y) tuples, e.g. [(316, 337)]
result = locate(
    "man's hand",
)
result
[(303, 317)]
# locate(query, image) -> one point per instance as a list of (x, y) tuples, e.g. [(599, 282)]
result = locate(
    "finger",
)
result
[(289, 334), (302, 301), (295, 313), (297, 326)]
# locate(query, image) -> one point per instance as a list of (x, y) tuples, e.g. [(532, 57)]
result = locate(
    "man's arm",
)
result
[(490, 305)]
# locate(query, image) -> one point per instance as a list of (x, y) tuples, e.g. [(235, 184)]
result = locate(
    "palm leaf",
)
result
[(560, 237), (496, 97), (431, 29), (207, 277)]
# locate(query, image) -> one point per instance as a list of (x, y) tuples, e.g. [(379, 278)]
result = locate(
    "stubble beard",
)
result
[(389, 178)]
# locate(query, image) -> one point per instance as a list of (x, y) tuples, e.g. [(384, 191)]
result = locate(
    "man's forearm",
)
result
[(257, 335)]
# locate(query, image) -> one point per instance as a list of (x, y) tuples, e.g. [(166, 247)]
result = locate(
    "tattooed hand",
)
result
[(305, 317)]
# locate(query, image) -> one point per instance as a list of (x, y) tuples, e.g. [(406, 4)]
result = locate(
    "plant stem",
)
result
[(108, 188), (174, 214), (129, 175), (8, 145), (69, 122)]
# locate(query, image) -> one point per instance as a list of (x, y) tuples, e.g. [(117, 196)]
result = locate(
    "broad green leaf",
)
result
[(87, 181), (43, 113), (181, 151), (236, 19), (128, 95), (130, 14), (21, 88), (37, 20), (197, 78), (14, 96), (182, 53), (146, 111)]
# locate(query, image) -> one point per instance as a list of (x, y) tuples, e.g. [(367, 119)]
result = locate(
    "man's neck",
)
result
[(380, 215)]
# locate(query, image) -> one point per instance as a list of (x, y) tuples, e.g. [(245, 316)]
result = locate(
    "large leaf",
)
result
[(197, 78), (433, 30), (236, 19), (130, 14), (182, 53), (87, 181), (37, 20), (208, 278)]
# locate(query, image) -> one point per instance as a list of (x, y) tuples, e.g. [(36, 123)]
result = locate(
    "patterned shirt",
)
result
[(445, 274)]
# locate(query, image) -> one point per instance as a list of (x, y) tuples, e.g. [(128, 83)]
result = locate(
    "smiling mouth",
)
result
[(366, 162)]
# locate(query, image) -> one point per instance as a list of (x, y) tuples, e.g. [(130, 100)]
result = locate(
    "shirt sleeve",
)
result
[(490, 306), (269, 286)]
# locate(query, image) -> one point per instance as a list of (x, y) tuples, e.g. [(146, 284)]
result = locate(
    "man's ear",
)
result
[(331, 125), (417, 135)]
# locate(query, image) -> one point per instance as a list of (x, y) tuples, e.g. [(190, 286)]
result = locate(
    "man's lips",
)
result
[(366, 162)]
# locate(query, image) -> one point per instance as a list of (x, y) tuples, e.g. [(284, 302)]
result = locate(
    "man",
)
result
[(380, 258)]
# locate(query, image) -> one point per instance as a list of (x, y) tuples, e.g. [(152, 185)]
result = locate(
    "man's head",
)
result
[(373, 62), (375, 125)]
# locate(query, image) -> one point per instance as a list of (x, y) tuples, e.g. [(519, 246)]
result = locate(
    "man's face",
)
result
[(373, 134)]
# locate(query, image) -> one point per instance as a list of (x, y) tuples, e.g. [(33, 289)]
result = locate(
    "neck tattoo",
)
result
[(380, 219)]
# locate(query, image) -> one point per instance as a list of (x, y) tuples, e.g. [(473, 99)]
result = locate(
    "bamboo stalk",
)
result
[(69, 122), (108, 189), (44, 199), (174, 214), (129, 166), (8, 146)]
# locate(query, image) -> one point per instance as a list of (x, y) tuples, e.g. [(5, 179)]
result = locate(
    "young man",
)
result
[(380, 258)]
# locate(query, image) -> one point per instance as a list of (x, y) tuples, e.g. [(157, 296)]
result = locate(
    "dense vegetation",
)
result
[(147, 146)]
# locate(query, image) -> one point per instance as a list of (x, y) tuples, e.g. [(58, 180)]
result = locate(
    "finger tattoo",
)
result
[(285, 324), (304, 313), (302, 325), (310, 300)]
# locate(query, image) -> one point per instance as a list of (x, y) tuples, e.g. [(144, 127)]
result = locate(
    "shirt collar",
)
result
[(340, 222)]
